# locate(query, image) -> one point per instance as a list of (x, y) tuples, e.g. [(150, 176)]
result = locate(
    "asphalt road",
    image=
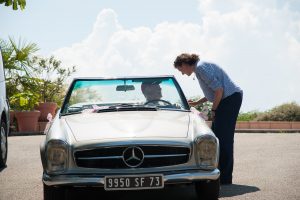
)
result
[(267, 166)]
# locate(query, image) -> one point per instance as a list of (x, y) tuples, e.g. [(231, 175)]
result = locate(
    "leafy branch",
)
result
[(14, 3)]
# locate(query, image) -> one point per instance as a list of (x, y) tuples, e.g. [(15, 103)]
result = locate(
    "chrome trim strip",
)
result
[(165, 156), (99, 158), (82, 180)]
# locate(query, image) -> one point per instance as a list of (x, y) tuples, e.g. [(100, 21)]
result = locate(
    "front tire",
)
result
[(3, 144), (208, 190), (53, 193)]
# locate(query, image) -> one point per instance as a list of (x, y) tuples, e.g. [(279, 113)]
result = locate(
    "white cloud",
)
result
[(257, 43)]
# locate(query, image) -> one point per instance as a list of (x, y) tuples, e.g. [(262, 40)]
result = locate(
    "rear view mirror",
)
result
[(125, 88)]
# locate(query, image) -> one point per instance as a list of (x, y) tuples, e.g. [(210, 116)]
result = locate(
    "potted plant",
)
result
[(26, 116), (29, 78), (50, 85), (17, 60)]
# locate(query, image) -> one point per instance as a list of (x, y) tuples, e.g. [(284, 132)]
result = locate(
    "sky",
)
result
[(256, 42)]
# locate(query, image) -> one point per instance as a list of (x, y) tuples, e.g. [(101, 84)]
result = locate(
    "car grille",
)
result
[(112, 157)]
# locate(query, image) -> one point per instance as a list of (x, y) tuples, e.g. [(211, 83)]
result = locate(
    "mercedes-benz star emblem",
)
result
[(133, 156)]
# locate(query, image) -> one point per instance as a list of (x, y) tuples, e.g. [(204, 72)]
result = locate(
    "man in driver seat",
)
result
[(151, 91)]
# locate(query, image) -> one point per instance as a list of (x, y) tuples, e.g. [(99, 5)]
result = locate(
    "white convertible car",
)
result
[(128, 133)]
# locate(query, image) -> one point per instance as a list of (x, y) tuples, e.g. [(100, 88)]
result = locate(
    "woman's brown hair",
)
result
[(185, 58)]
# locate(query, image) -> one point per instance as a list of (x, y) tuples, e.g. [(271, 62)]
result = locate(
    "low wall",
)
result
[(268, 125), (265, 125)]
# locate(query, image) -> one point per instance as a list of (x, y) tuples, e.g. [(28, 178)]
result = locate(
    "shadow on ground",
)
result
[(174, 193), (2, 168), (236, 190)]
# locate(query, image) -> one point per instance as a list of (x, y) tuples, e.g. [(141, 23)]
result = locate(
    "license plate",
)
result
[(133, 182)]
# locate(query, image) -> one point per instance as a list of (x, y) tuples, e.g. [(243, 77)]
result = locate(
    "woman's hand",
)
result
[(193, 103)]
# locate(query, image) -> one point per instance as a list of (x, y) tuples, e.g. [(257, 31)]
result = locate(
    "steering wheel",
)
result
[(158, 100)]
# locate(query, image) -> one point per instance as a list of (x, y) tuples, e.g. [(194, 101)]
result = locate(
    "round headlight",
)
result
[(57, 154), (207, 151)]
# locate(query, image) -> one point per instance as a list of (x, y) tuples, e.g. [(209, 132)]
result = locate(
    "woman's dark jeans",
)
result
[(224, 126)]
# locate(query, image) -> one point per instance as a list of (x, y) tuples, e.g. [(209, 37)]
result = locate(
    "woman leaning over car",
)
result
[(226, 97)]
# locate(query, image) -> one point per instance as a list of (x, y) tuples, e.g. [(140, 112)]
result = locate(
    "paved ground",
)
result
[(267, 167)]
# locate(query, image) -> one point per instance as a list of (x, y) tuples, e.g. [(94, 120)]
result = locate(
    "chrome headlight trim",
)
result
[(56, 156), (207, 151)]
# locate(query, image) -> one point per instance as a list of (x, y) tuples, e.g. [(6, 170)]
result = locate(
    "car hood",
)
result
[(129, 124)]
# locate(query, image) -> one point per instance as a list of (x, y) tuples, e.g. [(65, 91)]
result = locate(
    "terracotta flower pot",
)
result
[(11, 117), (45, 109), (27, 120)]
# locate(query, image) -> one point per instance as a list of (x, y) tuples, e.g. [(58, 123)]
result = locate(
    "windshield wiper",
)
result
[(122, 105), (74, 110), (127, 107), (70, 113)]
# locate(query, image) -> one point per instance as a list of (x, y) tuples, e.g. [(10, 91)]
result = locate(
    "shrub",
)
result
[(248, 116), (284, 112), (24, 101)]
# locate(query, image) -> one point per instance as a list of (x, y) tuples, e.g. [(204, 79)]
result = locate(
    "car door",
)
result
[(4, 116)]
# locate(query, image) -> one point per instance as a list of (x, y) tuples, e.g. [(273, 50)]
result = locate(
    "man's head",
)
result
[(152, 91)]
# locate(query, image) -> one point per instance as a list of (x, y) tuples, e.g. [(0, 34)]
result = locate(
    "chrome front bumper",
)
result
[(85, 180)]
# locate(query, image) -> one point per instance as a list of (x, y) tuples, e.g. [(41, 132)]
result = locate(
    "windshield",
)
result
[(162, 93)]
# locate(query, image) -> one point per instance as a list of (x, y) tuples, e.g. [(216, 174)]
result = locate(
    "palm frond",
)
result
[(21, 55)]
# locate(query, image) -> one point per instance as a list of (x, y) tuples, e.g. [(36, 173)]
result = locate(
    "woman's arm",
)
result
[(195, 103), (217, 99)]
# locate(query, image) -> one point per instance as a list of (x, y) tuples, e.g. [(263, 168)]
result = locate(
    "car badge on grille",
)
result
[(133, 156)]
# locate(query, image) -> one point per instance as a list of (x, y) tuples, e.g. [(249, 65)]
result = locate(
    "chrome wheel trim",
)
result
[(3, 143)]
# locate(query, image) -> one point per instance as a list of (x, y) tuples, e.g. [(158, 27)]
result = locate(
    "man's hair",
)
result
[(186, 58), (149, 82), (144, 85)]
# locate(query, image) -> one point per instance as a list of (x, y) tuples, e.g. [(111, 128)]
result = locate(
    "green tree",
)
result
[(31, 79), (18, 66), (51, 78), (14, 3), (17, 56)]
